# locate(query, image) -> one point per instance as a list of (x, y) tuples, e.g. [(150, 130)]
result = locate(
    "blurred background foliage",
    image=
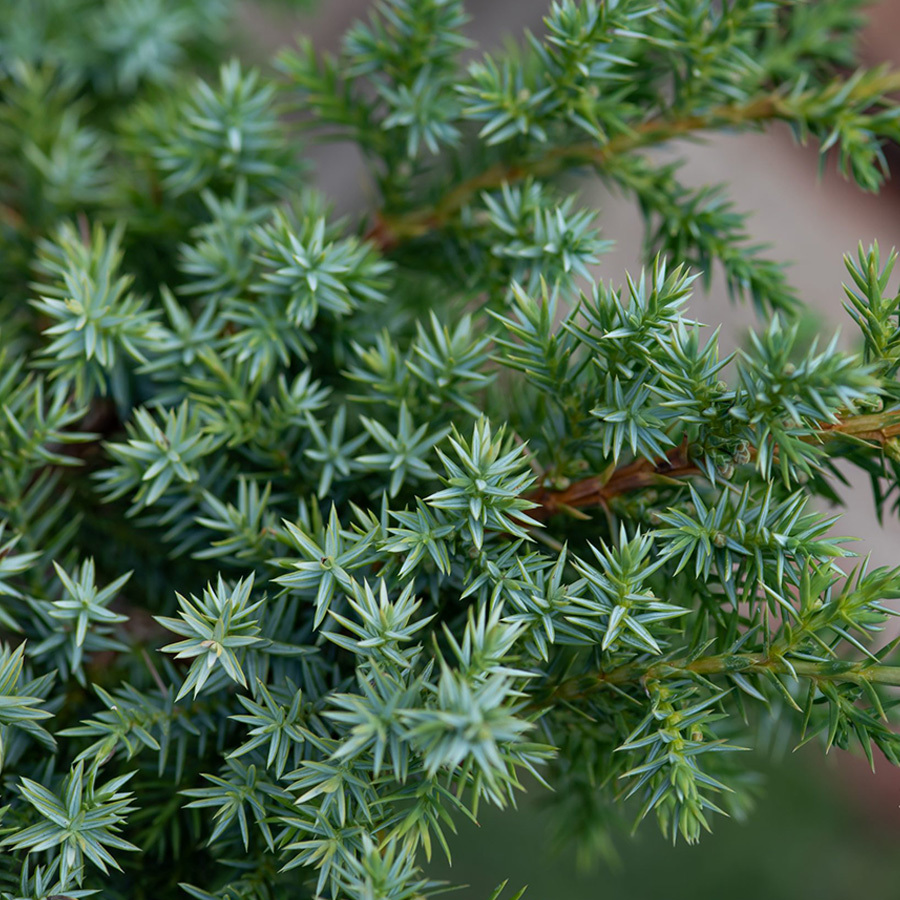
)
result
[(805, 840)]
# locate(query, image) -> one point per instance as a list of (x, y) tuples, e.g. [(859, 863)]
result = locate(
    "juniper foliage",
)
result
[(316, 535)]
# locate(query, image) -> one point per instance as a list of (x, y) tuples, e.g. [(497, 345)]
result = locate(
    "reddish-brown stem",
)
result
[(595, 491), (877, 428), (390, 229)]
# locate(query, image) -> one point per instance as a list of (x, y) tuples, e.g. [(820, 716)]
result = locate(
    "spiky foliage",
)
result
[(412, 507)]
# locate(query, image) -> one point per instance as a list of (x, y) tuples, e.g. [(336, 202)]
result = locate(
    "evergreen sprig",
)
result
[(427, 508)]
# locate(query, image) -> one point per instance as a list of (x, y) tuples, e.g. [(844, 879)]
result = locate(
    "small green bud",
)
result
[(742, 454)]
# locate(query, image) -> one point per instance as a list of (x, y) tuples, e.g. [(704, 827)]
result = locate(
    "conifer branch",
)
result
[(390, 229)]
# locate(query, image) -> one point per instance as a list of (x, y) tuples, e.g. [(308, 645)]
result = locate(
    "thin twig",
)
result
[(878, 428), (583, 686), (153, 671), (595, 491), (389, 230)]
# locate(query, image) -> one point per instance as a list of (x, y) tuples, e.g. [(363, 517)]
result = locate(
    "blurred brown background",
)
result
[(805, 841)]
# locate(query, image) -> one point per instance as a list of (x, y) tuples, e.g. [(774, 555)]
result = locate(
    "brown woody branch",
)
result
[(597, 491), (877, 428)]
